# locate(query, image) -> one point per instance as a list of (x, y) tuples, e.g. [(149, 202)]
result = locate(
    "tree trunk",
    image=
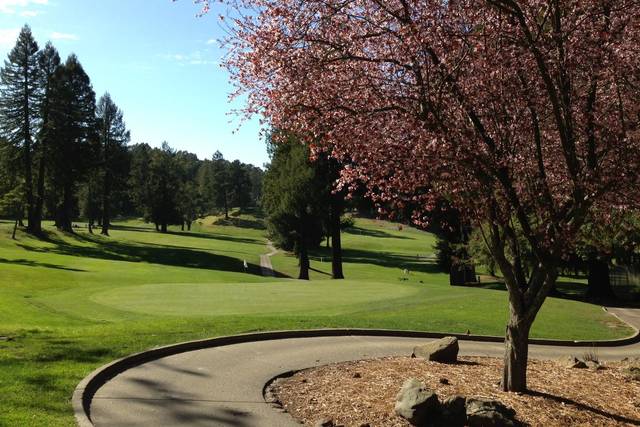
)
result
[(90, 226), (304, 263), (106, 203), (188, 225), (65, 211), (15, 227), (28, 181), (157, 226), (39, 202), (303, 255), (516, 354), (226, 207), (182, 226), (163, 227), (599, 282), (336, 242)]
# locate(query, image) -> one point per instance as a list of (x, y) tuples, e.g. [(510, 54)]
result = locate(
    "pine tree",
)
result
[(221, 186), (73, 127), (114, 137), (48, 63), (19, 95), (293, 203)]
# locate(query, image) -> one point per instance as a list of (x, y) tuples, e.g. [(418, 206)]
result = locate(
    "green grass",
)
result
[(72, 303)]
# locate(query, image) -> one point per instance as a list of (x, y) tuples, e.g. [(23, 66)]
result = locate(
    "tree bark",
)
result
[(15, 227), (182, 226), (188, 225), (516, 354), (303, 254), (599, 282), (64, 212), (39, 202), (304, 262), (163, 227), (90, 225)]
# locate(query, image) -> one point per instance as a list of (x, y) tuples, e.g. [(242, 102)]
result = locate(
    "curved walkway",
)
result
[(265, 261), (222, 386)]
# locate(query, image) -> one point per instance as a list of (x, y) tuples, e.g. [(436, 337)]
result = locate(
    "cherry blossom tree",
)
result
[(521, 114)]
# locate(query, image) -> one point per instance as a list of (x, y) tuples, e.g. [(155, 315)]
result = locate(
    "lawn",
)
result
[(69, 304)]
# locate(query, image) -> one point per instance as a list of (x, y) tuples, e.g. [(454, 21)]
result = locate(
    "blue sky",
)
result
[(157, 59)]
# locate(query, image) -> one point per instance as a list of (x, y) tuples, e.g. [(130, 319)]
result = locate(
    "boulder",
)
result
[(417, 404), (489, 413), (444, 350), (572, 363), (453, 412)]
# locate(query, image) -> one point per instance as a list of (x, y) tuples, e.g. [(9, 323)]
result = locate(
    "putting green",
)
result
[(290, 297)]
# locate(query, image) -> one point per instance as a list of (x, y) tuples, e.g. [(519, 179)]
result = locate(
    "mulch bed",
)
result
[(363, 393)]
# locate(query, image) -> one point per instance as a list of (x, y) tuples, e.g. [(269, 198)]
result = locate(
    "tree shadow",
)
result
[(187, 408), (214, 236), (583, 407), (391, 260), (30, 263), (152, 254), (241, 223), (374, 233)]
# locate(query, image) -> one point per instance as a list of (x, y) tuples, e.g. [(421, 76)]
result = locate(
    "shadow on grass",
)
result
[(374, 233), (29, 263), (241, 223), (391, 260), (214, 236), (153, 254)]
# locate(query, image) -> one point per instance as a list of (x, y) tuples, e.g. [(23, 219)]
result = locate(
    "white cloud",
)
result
[(9, 7), (193, 58), (212, 41), (8, 37), (63, 36), (29, 13)]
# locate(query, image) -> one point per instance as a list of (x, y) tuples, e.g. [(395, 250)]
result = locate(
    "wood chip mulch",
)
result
[(363, 393)]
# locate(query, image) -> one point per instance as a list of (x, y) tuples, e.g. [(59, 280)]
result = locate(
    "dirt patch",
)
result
[(363, 392)]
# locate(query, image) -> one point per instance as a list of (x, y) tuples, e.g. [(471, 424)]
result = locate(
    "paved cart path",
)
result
[(265, 261), (223, 386)]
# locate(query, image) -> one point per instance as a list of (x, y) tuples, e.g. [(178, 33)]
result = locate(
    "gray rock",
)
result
[(454, 412), (489, 413), (444, 350), (417, 404), (324, 422), (572, 363)]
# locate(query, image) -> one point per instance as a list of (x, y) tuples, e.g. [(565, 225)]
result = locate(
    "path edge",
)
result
[(87, 388)]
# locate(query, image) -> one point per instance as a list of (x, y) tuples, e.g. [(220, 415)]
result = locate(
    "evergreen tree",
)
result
[(240, 185), (292, 203), (114, 137), (140, 179), (11, 185), (48, 63), (19, 97), (221, 182), (73, 128)]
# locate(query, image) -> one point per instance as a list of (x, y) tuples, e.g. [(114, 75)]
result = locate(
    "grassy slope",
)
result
[(73, 303)]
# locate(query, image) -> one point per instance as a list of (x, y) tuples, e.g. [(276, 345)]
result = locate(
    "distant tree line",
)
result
[(64, 156)]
